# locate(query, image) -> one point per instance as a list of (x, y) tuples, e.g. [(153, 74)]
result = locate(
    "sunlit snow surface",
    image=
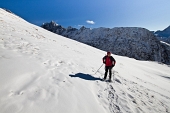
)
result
[(41, 72)]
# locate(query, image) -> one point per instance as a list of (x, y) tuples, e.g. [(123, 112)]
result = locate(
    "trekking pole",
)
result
[(99, 68), (113, 73)]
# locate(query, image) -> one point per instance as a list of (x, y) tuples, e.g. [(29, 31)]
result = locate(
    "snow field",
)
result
[(44, 72)]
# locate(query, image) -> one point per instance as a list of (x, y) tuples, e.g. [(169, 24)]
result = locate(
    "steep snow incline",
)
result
[(43, 72)]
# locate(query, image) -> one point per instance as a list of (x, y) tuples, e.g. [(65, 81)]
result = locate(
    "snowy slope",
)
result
[(43, 72)]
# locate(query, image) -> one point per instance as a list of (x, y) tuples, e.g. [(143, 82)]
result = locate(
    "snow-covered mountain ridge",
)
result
[(134, 42), (42, 72)]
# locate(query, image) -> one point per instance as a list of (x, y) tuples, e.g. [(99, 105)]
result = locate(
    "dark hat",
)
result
[(108, 52)]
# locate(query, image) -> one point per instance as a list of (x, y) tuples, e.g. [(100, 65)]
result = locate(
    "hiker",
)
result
[(109, 62)]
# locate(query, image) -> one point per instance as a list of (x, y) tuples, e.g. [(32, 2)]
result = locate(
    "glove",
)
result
[(113, 64), (104, 62)]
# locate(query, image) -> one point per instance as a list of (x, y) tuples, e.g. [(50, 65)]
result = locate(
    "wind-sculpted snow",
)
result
[(42, 72), (134, 42)]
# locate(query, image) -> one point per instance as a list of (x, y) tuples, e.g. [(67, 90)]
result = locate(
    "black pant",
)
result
[(108, 68)]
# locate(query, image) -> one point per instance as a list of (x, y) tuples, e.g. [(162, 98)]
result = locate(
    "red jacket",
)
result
[(109, 61)]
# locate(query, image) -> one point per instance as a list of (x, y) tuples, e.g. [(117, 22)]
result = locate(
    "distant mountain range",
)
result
[(164, 35), (133, 42)]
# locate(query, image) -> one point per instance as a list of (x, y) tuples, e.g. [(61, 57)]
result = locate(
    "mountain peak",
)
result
[(167, 29), (164, 33), (53, 23)]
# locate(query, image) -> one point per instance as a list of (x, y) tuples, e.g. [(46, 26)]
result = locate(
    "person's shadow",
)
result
[(85, 76)]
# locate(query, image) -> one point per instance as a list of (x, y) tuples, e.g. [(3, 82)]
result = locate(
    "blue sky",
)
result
[(149, 14)]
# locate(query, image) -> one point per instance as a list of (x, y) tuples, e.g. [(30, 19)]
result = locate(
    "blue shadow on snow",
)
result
[(85, 76)]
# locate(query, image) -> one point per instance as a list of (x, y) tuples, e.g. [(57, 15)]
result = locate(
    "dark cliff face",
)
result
[(53, 27), (133, 42)]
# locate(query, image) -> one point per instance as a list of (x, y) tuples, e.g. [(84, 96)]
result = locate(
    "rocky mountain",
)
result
[(164, 33), (164, 39), (133, 42)]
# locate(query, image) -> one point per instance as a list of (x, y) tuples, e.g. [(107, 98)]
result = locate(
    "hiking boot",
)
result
[(110, 80), (103, 79)]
